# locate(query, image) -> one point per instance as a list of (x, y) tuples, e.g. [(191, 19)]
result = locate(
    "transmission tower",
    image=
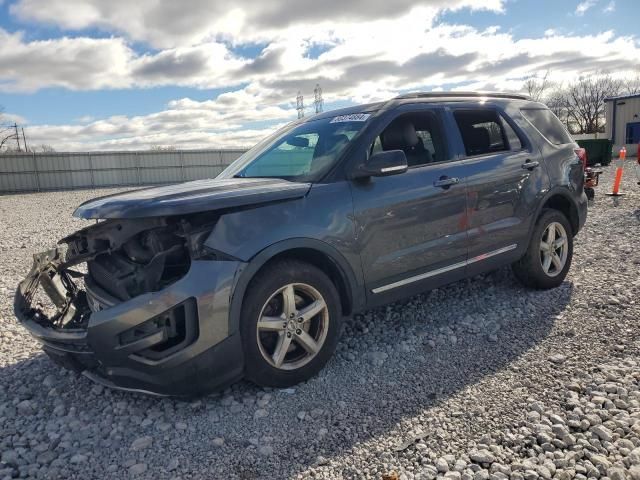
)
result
[(11, 136), (300, 105), (318, 101)]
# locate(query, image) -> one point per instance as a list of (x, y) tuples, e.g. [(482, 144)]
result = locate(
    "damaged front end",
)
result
[(133, 302)]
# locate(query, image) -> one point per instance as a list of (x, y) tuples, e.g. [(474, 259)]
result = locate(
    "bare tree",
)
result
[(632, 86), (558, 103), (585, 102), (580, 106), (536, 87), (8, 135), (44, 148)]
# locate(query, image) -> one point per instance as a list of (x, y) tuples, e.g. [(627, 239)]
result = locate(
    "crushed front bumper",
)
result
[(126, 345)]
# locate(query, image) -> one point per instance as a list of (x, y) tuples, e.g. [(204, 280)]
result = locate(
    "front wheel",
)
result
[(548, 258), (291, 322)]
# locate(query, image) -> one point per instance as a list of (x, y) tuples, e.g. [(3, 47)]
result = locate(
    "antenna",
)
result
[(318, 101), (300, 105)]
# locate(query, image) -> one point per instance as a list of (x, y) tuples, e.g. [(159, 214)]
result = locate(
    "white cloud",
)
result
[(173, 24), (582, 7), (610, 7), (83, 63), (232, 120), (363, 59), (367, 54), (9, 118), (75, 63)]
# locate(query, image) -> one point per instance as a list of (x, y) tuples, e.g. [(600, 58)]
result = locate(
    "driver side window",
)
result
[(417, 134)]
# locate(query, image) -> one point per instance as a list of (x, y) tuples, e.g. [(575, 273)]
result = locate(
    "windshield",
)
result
[(303, 152)]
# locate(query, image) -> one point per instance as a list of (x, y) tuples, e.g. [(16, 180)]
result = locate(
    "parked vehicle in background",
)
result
[(190, 287)]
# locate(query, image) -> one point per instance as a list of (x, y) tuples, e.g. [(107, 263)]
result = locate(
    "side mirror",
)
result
[(383, 164)]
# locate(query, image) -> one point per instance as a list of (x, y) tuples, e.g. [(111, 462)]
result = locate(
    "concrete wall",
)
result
[(29, 172), (627, 111)]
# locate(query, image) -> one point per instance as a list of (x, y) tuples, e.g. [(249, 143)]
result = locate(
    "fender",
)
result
[(353, 282), (561, 190)]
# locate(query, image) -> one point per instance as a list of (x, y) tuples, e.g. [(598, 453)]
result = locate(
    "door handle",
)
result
[(446, 182), (530, 165)]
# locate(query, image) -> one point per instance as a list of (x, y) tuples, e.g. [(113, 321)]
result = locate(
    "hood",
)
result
[(191, 197)]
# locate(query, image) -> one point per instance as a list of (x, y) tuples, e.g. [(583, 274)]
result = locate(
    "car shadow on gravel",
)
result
[(394, 363), (363, 395)]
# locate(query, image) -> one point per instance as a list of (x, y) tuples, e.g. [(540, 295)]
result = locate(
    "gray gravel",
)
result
[(480, 380)]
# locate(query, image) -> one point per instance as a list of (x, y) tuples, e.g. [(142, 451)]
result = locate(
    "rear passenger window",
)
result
[(482, 131), (548, 125)]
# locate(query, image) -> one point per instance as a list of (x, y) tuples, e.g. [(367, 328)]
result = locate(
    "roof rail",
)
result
[(515, 96)]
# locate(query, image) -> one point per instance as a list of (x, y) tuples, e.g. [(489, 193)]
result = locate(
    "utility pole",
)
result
[(24, 140), (300, 105), (318, 101), (15, 126)]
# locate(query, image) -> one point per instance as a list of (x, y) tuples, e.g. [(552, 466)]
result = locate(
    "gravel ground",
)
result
[(479, 380)]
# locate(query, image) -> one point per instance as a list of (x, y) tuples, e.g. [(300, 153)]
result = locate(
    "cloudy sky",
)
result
[(122, 74)]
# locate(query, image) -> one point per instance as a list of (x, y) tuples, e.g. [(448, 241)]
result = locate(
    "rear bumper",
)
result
[(126, 345)]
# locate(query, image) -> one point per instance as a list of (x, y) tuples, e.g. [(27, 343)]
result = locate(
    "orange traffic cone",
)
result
[(619, 169)]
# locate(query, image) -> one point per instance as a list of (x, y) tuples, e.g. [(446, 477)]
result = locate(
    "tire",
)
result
[(530, 269), (292, 338)]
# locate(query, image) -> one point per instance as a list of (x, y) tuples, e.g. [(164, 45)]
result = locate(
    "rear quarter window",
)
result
[(548, 125)]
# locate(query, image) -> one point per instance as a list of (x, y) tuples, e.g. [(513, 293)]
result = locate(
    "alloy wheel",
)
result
[(554, 249), (292, 326)]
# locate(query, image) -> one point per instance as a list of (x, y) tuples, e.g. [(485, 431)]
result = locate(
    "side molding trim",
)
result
[(448, 268)]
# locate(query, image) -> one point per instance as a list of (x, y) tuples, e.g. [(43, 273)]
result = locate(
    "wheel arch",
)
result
[(315, 252), (559, 199)]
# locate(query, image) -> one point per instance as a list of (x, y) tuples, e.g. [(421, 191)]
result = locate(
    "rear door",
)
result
[(504, 176), (409, 229)]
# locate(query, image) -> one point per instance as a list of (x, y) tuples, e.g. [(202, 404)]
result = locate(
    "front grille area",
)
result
[(114, 274), (97, 298)]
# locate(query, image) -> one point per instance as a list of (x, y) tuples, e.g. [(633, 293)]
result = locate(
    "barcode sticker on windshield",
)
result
[(354, 117)]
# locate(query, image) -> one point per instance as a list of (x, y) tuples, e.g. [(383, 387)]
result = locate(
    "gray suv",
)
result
[(180, 289)]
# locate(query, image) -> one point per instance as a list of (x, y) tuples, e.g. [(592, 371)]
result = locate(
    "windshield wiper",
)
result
[(265, 176)]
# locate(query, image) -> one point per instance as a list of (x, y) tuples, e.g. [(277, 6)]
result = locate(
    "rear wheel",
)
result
[(548, 257), (290, 323)]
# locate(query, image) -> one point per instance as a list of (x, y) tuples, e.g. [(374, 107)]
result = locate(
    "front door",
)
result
[(409, 226)]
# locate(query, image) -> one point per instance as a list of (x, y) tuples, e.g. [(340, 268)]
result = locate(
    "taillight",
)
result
[(582, 155)]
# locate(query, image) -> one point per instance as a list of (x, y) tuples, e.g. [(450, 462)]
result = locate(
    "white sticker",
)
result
[(354, 117)]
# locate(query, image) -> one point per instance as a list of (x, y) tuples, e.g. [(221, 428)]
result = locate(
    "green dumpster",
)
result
[(598, 151)]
